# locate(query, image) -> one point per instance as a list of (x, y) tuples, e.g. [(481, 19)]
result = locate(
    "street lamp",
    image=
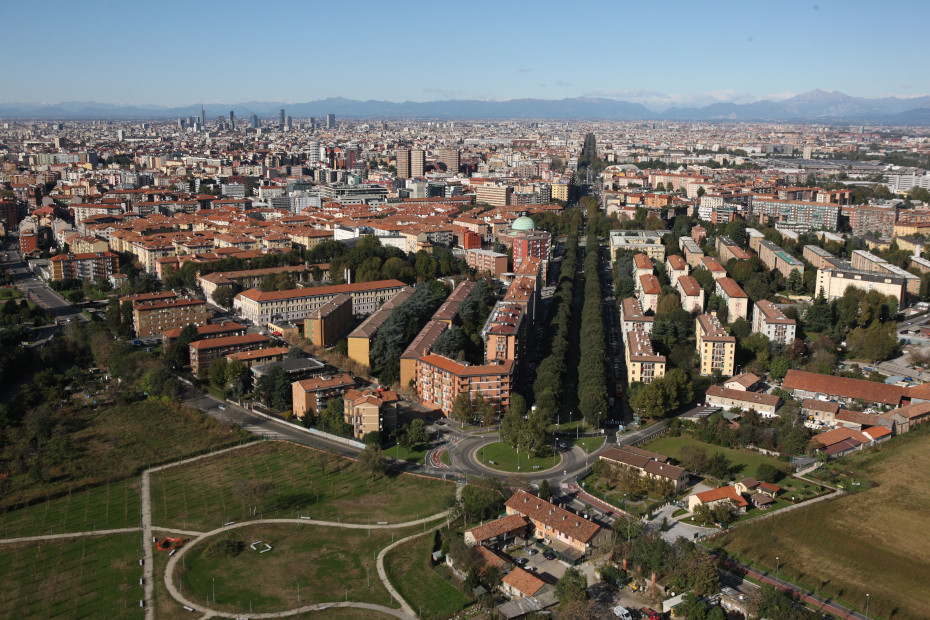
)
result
[(867, 605), (776, 570)]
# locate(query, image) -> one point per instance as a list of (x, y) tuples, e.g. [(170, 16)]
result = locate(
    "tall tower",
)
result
[(417, 163), (403, 163), (203, 116), (253, 120), (330, 121), (281, 117), (232, 120)]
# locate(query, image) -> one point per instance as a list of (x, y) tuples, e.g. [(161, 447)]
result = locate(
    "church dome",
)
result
[(523, 223)]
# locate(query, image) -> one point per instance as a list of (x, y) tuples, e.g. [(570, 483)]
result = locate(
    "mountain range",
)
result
[(817, 106)]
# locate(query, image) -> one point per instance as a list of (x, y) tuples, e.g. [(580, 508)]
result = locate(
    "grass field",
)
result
[(409, 569), (116, 443), (328, 563), (500, 456), (870, 542), (85, 578), (445, 458), (203, 495), (415, 455), (589, 443), (109, 506)]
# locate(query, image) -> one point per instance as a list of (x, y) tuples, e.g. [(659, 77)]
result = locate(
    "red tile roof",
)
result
[(559, 519), (844, 387), (504, 525), (726, 492), (524, 582)]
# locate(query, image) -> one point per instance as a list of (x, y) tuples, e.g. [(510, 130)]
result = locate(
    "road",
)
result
[(34, 289)]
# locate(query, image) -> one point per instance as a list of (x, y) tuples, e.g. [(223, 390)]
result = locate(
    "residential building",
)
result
[(497, 532), (641, 266), (712, 265), (647, 464), (152, 318), (361, 337), (746, 382), (440, 381), (834, 281), (421, 345), (88, 266), (867, 219), (205, 351), (494, 195), (718, 496), (632, 317), (295, 304), (482, 261), (692, 251), (736, 299), (727, 249), (210, 330), (805, 215), (649, 290), (326, 325), (258, 357), (675, 267), (817, 256), (646, 241), (309, 396), (804, 385), (763, 404), (370, 411), (769, 320), (566, 533), (642, 363), (715, 346), (691, 293)]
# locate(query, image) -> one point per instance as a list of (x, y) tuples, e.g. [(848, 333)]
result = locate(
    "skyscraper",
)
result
[(403, 163), (330, 121), (281, 117), (203, 116), (288, 123), (232, 119), (417, 163), (253, 121), (312, 124), (451, 158)]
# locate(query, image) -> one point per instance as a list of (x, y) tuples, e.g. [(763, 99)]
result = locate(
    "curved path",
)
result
[(405, 612)]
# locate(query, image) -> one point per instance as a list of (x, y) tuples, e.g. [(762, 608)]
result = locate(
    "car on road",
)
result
[(549, 555), (520, 561), (221, 407)]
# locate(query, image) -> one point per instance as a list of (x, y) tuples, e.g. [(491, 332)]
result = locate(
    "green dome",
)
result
[(523, 223)]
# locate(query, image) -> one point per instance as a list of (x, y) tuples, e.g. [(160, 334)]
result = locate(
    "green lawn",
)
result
[(206, 493), (114, 443), (328, 563), (501, 456), (413, 455), (423, 586), (9, 293), (92, 577), (445, 458), (590, 444), (109, 506), (744, 462)]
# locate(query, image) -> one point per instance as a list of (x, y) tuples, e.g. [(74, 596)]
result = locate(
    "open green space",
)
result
[(445, 458), (278, 479), (9, 293), (108, 506), (91, 577), (97, 446), (503, 457), (589, 444), (744, 462), (423, 586), (868, 542), (411, 455), (330, 564), (343, 613)]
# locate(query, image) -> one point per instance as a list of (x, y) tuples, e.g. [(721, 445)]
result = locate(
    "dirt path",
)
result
[(28, 539)]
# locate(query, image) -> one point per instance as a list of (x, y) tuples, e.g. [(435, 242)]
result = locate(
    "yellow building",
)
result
[(328, 323), (361, 337), (715, 346), (642, 364), (370, 411)]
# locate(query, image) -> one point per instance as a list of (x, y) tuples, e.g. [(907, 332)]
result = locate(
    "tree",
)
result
[(484, 411), (253, 492), (718, 465), (544, 491), (481, 501), (223, 296), (371, 461), (796, 282), (461, 408), (573, 586), (416, 433), (512, 423)]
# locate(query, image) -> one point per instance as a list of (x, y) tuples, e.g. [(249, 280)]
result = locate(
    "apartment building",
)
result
[(715, 346), (421, 345), (530, 244), (868, 219), (440, 381), (370, 411), (326, 325), (494, 195), (87, 266), (641, 266), (691, 293), (769, 320), (361, 337), (258, 357), (817, 256), (648, 242), (866, 261), (486, 261), (692, 251), (776, 259), (642, 363), (295, 304), (804, 215), (210, 330), (736, 298), (713, 265), (649, 290), (647, 464), (248, 278), (450, 307), (309, 396), (152, 318), (834, 281), (727, 249), (205, 351), (675, 267), (632, 317), (569, 534)]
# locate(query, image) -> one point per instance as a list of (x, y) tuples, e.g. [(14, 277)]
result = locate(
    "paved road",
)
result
[(39, 292)]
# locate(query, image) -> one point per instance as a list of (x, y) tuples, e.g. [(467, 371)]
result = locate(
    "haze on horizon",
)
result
[(674, 54)]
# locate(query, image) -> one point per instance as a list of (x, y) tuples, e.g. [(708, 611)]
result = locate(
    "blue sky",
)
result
[(655, 53)]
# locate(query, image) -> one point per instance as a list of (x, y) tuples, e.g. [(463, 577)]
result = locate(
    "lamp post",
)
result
[(867, 598), (776, 570)]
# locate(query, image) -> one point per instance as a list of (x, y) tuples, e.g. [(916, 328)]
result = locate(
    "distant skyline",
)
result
[(658, 54)]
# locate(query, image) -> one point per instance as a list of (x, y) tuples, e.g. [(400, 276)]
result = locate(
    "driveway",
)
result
[(677, 529)]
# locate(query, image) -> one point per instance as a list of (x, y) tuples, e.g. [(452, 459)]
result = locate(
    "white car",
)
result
[(622, 612)]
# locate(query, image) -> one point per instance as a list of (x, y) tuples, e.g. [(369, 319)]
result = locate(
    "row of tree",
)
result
[(592, 370)]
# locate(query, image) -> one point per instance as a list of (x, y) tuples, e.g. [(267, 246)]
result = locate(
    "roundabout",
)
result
[(504, 458)]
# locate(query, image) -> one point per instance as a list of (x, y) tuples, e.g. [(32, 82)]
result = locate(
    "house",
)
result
[(519, 582), (843, 389), (822, 411), (566, 533), (842, 441), (906, 418), (691, 294), (748, 486), (311, 395), (764, 404), (648, 464), (370, 410), (717, 496), (498, 531), (746, 382)]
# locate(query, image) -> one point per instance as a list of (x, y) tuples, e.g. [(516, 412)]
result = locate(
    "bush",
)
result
[(769, 473), (223, 549)]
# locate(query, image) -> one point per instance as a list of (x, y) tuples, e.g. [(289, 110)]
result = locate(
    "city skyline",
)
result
[(681, 54)]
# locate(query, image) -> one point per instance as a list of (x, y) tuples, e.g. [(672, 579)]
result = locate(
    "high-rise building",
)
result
[(313, 152), (403, 163), (253, 121), (203, 116), (330, 121), (281, 117), (312, 124), (451, 158), (232, 119), (289, 123), (417, 163)]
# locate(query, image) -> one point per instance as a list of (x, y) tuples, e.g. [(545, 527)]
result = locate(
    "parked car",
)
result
[(549, 555), (531, 551), (520, 561), (622, 612)]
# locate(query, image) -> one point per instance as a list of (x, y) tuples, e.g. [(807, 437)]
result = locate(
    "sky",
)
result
[(655, 53)]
